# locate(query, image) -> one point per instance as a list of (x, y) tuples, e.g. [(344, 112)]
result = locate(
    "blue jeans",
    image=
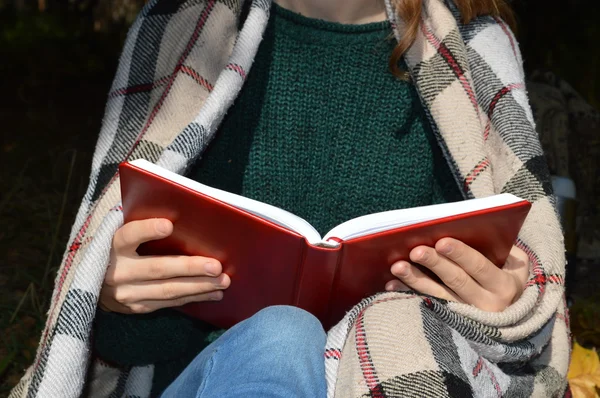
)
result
[(276, 353)]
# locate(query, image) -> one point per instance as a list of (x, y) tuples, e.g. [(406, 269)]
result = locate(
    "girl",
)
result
[(350, 107)]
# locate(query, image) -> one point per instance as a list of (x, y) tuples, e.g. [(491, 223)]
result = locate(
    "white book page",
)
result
[(274, 214), (351, 229), (379, 222)]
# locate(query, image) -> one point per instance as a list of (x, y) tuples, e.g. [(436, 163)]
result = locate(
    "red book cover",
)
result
[(272, 265)]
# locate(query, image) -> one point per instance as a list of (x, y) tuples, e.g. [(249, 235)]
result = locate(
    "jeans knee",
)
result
[(289, 324)]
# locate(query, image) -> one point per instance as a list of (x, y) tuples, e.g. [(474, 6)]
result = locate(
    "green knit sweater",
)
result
[(321, 129)]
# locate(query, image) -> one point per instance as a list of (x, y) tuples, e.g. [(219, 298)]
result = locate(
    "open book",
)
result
[(275, 257)]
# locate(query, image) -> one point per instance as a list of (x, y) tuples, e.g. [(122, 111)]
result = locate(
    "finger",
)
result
[(106, 302), (169, 289), (150, 268), (134, 233), (396, 286), (517, 265), (452, 276), (147, 306), (414, 278), (475, 264), (153, 305)]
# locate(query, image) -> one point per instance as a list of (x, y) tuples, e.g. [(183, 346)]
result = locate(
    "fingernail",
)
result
[(216, 296), (211, 269), (402, 269), (446, 249), (225, 281), (424, 255)]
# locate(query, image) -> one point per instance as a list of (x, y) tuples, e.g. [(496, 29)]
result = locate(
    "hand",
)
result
[(140, 284), (467, 276)]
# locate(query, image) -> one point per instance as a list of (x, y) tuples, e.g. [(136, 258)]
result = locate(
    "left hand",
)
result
[(467, 276)]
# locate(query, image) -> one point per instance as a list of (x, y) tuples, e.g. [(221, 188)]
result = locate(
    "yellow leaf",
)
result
[(583, 362), (581, 390), (584, 372)]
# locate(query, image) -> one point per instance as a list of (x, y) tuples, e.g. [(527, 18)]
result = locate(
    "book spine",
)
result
[(315, 280), (299, 275)]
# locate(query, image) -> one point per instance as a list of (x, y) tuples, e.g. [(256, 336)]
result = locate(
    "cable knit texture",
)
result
[(323, 129)]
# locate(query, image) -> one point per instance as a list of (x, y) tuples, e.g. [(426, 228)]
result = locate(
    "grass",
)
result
[(36, 218)]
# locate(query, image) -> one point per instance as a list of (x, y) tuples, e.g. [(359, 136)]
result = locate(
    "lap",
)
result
[(276, 353)]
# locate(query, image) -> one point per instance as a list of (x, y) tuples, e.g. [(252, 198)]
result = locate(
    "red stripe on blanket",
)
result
[(508, 34), (478, 367), (199, 26), (237, 68), (73, 248), (196, 76), (556, 279), (161, 82), (333, 353), (475, 172), (477, 370), (138, 88), (562, 318), (540, 278), (445, 52), (366, 362), (69, 260), (501, 93)]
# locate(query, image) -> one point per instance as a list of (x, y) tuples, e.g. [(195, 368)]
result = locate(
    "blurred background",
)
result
[(57, 59)]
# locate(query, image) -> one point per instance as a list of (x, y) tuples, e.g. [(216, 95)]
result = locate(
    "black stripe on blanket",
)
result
[(191, 141), (486, 335), (134, 111), (522, 376), (121, 383), (471, 30), (430, 79), (75, 320), (527, 182), (467, 328), (40, 368), (147, 150), (428, 383), (516, 132), (77, 314), (262, 4), (445, 352)]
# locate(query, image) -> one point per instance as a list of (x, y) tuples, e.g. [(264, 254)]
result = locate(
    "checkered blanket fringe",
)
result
[(181, 68)]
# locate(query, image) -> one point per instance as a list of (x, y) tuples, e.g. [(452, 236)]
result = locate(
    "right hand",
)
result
[(137, 284)]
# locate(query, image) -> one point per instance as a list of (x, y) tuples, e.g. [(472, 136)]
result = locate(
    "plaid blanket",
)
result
[(182, 66)]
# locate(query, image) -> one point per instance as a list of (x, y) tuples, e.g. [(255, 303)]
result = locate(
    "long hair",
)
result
[(410, 12)]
